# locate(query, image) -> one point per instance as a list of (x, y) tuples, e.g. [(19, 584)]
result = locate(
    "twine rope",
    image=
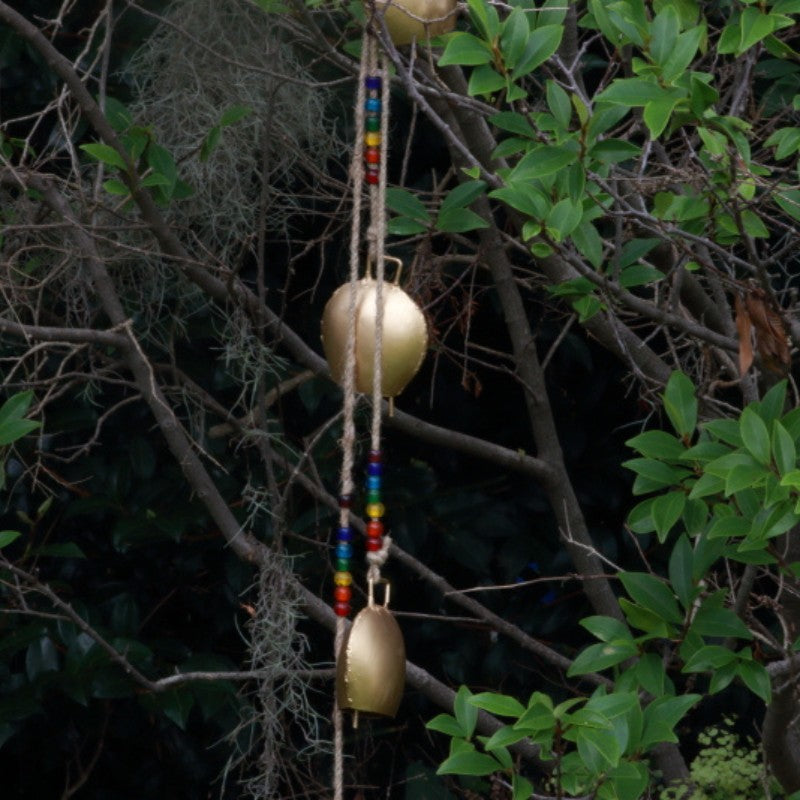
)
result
[(378, 219), (349, 388)]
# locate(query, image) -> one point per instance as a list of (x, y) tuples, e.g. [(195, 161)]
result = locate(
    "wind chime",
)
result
[(374, 337)]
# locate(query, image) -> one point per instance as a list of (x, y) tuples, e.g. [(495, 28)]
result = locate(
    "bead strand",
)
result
[(372, 129), (375, 508), (342, 578)]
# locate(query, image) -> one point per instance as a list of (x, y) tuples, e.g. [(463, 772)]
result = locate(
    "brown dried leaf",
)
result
[(744, 328), (771, 338)]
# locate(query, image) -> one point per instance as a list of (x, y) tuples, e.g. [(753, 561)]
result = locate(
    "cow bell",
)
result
[(417, 19), (371, 666)]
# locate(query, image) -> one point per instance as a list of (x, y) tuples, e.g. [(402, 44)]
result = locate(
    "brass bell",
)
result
[(371, 666), (404, 342), (417, 19)]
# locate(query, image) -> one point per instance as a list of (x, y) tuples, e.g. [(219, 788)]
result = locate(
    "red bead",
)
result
[(342, 594), (374, 529), (345, 500), (341, 609), (372, 155), (373, 545), (374, 456), (372, 177)]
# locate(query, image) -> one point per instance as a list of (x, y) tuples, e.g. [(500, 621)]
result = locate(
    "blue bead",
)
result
[(374, 469), (373, 82), (373, 104), (345, 535), (374, 482), (344, 550)]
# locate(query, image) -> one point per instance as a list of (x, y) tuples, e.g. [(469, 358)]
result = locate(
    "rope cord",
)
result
[(349, 381), (378, 558)]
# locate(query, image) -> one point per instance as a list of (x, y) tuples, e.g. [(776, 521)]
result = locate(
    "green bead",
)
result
[(374, 496), (373, 123), (342, 564)]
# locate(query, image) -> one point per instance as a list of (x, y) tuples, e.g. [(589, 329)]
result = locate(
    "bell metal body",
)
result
[(371, 667), (405, 336), (417, 19)]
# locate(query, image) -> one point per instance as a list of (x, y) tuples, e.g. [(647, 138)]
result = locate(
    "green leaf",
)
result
[(657, 444), (460, 220), (466, 50), (407, 204), (499, 704), (463, 194), (505, 737), (541, 44), (723, 527), (117, 114), (41, 656), (484, 18), (597, 749), (160, 160), (597, 657), (116, 187), (753, 225), (657, 474), (466, 713), (710, 657), (722, 677), (469, 763), (662, 715), (513, 122), (711, 619), (403, 226), (521, 788), (589, 243), (652, 676), (612, 151), (681, 563), (514, 37), (664, 32), (632, 92), (485, 80), (639, 275), (606, 628), (563, 218), (234, 114), (756, 679), (783, 449), (13, 429), (666, 511), (640, 518), (105, 154), (445, 723), (6, 537), (755, 435), (523, 197), (12, 424), (652, 594), (680, 403), (754, 26), (542, 161), (657, 114), (627, 781), (678, 61), (210, 142), (559, 103)]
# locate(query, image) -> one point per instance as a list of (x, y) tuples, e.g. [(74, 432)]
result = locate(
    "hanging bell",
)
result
[(404, 342), (417, 19), (371, 666)]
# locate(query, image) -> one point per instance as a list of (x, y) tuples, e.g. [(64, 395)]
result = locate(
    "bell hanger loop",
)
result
[(396, 261), (387, 591)]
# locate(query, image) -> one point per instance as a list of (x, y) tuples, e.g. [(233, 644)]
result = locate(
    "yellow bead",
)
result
[(342, 578), (372, 139), (375, 510)]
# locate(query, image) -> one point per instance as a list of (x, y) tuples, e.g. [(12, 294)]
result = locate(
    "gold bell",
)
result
[(371, 667), (404, 342), (417, 19)]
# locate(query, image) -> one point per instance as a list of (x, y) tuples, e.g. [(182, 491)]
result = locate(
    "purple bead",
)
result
[(344, 535), (375, 470), (373, 82)]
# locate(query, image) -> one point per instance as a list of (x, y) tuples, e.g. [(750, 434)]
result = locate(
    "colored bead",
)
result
[(373, 482), (375, 457), (372, 139), (375, 510), (344, 550), (373, 545), (372, 123), (373, 82), (373, 105), (375, 469), (372, 155), (372, 178), (374, 529), (345, 501), (342, 578), (342, 594), (344, 535), (373, 497), (341, 609)]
